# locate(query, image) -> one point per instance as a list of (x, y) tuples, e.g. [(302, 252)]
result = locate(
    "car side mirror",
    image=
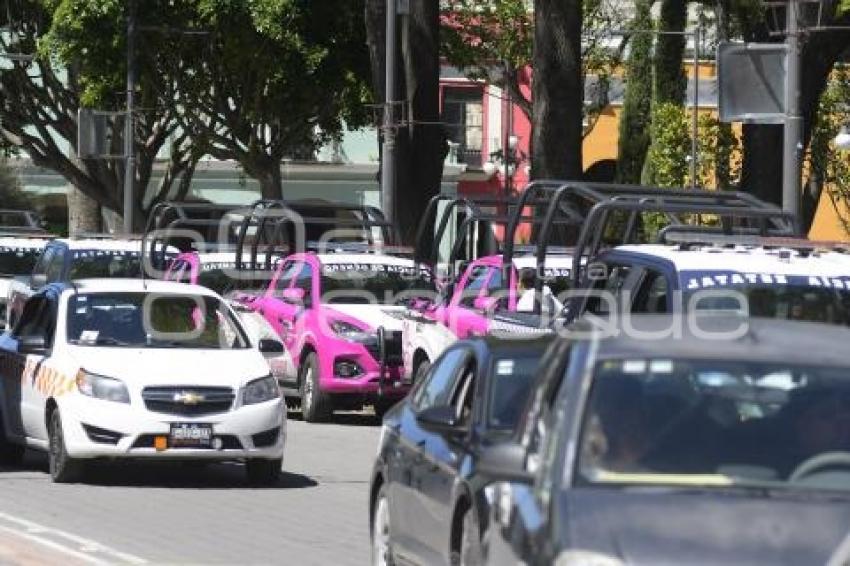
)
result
[(293, 295), (269, 346), (504, 462), (32, 345), (485, 304), (38, 280), (443, 418)]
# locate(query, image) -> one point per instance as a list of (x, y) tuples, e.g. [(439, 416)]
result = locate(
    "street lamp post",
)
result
[(129, 154)]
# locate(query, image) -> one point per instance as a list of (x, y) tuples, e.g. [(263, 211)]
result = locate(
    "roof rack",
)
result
[(590, 239), (358, 247), (595, 201), (755, 241), (27, 235), (273, 223)]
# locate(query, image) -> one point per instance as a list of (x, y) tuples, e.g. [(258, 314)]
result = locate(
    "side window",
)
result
[(476, 281), (56, 265), (651, 296), (304, 278), (287, 272), (36, 319), (437, 390), (612, 285), (465, 394), (41, 266)]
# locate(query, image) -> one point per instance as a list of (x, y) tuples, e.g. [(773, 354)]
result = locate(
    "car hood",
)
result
[(652, 528), (172, 366), (374, 315)]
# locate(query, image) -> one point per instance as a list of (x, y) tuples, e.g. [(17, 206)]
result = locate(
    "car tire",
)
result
[(382, 554), (63, 468), (421, 371), (11, 454), (468, 552), (315, 405), (263, 472)]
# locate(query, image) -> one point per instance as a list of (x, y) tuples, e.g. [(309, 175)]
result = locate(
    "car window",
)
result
[(478, 278), (287, 272), (41, 266), (612, 285), (54, 268), (464, 396), (36, 320), (651, 296), (510, 383), (304, 278), (437, 389)]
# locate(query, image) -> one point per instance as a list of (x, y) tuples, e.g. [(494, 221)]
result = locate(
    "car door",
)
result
[(36, 373), (442, 456), (406, 507), (653, 293), (464, 318)]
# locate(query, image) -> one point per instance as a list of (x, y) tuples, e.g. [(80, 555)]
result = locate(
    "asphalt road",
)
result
[(132, 513)]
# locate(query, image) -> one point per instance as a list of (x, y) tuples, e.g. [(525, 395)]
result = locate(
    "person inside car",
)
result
[(527, 296)]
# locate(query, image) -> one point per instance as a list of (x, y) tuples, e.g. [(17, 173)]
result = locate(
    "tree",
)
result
[(670, 79), (762, 143), (558, 90), (421, 146), (634, 121), (273, 78), (39, 100), (248, 81), (492, 41)]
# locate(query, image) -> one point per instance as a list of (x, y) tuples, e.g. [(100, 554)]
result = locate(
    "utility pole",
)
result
[(388, 153), (506, 145), (792, 143), (129, 155)]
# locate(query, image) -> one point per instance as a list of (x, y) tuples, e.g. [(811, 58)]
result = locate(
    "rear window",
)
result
[(511, 378), (88, 264)]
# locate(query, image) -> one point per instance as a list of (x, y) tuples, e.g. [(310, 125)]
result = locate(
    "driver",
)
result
[(820, 424)]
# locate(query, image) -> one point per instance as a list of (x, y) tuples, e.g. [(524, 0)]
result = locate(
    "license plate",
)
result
[(190, 435)]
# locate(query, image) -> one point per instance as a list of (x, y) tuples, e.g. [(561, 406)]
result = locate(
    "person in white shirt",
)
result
[(525, 288)]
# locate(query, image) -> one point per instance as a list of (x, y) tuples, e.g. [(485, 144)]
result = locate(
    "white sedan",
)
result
[(122, 368)]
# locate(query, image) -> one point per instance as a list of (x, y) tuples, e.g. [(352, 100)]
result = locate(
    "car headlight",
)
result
[(260, 391), (348, 331), (102, 387), (586, 558)]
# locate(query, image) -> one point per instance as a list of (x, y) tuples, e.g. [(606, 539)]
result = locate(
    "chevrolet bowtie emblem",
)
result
[(188, 398)]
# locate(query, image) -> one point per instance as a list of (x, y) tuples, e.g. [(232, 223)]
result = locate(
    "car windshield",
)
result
[(795, 297), (150, 320), (713, 423), (372, 283), (510, 384), (17, 261), (89, 264)]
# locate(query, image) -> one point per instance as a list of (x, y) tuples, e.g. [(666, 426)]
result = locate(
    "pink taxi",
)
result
[(339, 317)]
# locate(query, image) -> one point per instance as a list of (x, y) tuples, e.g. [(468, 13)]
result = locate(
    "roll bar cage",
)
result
[(605, 198), (275, 217)]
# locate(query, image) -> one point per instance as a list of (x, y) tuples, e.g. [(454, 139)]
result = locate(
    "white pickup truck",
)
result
[(18, 256)]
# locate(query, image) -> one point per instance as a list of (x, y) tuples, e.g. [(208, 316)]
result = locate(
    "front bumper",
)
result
[(137, 426)]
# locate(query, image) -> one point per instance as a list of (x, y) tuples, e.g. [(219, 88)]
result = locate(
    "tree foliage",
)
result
[(251, 81), (668, 155), (493, 40), (634, 120), (670, 78), (39, 100)]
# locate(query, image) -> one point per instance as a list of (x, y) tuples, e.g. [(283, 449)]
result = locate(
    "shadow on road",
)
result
[(188, 475), (341, 418)]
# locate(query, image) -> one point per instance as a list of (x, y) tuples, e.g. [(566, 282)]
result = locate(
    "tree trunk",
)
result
[(557, 90), (422, 146), (267, 173), (633, 141), (83, 212)]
